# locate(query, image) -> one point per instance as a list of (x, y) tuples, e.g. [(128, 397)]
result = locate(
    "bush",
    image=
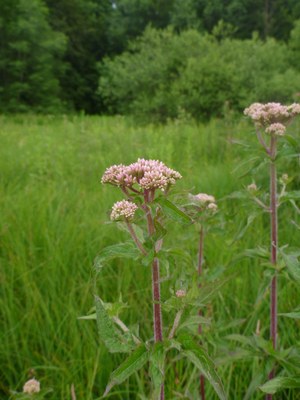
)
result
[(163, 72)]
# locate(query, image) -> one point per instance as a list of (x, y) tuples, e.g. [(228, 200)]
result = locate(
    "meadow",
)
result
[(54, 221)]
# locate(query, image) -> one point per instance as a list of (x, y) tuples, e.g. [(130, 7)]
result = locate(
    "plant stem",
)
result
[(200, 271), (135, 239), (157, 317), (274, 245)]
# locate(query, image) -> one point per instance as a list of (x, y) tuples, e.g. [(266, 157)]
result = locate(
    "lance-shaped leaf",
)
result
[(121, 250), (203, 362), (294, 314), (108, 332), (157, 361), (280, 383), (172, 211), (132, 364)]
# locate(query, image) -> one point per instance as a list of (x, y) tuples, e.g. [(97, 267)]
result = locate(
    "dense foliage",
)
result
[(51, 51), (163, 73)]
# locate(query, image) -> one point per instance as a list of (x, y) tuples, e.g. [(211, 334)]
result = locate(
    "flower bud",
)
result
[(180, 293)]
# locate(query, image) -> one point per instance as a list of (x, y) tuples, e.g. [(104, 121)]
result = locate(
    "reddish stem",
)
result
[(200, 271), (157, 316), (274, 245)]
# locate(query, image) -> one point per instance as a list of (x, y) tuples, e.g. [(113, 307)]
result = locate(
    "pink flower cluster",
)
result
[(32, 386), (123, 210), (205, 201), (272, 117), (147, 174), (276, 129)]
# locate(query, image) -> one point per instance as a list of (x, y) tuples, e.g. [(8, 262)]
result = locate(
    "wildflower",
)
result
[(204, 198), (148, 174), (205, 201), (252, 187), (123, 208), (284, 179), (276, 129), (273, 117), (180, 293), (153, 174), (31, 386), (117, 175)]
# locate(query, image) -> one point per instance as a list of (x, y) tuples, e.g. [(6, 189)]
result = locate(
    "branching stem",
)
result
[(135, 239)]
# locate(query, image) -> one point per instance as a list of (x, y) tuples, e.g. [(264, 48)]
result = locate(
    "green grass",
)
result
[(53, 224)]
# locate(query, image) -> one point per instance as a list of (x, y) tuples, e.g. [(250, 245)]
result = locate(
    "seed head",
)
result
[(123, 210), (32, 386)]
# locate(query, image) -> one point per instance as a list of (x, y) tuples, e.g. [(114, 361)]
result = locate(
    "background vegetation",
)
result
[(116, 56)]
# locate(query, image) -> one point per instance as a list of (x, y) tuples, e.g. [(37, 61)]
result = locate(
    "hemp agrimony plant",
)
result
[(146, 208), (271, 121)]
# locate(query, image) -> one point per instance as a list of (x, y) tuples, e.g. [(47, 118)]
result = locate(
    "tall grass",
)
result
[(53, 224)]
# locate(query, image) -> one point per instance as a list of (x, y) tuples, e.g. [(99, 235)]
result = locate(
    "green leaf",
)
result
[(245, 224), (123, 250), (280, 383), (201, 296), (192, 321), (111, 336), (132, 364), (293, 265), (202, 361), (157, 361), (294, 314), (172, 211)]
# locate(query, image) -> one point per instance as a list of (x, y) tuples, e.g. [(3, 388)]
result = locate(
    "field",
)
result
[(53, 223)]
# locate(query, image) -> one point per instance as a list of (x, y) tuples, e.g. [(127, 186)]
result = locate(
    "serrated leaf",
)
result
[(132, 364), (202, 361), (172, 211), (111, 336), (293, 265), (280, 383), (156, 370), (122, 250), (201, 296)]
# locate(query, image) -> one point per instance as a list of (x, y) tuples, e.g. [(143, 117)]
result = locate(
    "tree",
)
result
[(30, 53)]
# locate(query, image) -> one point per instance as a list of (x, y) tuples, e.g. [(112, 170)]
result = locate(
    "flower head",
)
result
[(204, 198), (272, 117), (204, 201), (118, 175), (32, 386), (123, 210), (147, 174), (276, 128)]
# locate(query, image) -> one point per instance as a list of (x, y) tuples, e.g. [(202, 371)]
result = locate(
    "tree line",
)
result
[(53, 54)]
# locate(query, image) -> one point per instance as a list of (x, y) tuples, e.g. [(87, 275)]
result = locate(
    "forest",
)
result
[(111, 57)]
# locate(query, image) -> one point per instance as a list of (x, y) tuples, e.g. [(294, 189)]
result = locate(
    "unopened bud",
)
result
[(180, 293)]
